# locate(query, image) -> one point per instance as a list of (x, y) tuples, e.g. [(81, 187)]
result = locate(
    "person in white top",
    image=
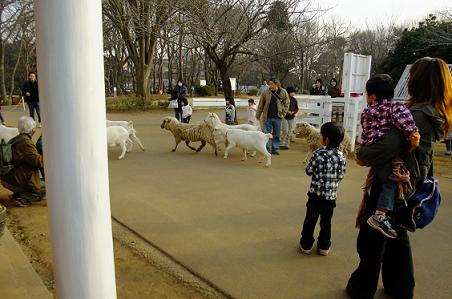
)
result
[(187, 111), (252, 108), (263, 88)]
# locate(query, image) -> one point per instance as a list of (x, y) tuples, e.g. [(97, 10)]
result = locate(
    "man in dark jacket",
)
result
[(31, 94)]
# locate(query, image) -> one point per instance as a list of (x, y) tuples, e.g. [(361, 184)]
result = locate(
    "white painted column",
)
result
[(71, 85)]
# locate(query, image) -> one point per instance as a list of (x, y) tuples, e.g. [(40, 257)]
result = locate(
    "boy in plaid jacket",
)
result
[(327, 168)]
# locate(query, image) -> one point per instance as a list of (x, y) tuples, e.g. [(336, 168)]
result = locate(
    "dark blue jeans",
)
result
[(387, 196), (273, 126), (32, 106), (315, 207)]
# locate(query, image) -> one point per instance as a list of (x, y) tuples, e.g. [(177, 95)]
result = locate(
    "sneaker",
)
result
[(324, 252), (275, 153), (283, 147), (305, 251), (382, 225), (22, 202)]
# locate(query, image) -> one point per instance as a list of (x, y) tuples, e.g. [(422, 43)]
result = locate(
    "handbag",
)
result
[(173, 104), (421, 207)]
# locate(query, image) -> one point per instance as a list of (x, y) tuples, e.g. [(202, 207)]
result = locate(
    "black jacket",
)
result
[(179, 93), (32, 88)]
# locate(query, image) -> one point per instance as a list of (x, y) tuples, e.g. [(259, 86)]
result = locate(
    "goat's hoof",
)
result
[(120, 158), (173, 150)]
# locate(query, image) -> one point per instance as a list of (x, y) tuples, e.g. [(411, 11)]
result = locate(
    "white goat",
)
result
[(312, 136), (128, 125), (189, 132), (8, 133), (119, 136), (219, 136), (248, 141)]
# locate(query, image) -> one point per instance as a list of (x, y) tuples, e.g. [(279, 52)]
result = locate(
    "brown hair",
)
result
[(430, 83)]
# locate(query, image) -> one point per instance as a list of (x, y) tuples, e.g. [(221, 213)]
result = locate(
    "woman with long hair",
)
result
[(430, 102)]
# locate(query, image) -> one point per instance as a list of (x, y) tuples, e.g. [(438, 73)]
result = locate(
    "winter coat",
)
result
[(419, 161), (334, 92), (264, 103), (32, 88), (27, 163), (179, 93)]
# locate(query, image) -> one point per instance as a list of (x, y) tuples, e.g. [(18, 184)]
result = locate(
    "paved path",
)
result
[(237, 224), (18, 280)]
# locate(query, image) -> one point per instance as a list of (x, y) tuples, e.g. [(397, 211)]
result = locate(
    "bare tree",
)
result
[(224, 29), (139, 23)]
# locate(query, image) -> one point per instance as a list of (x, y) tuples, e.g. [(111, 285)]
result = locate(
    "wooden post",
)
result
[(72, 93)]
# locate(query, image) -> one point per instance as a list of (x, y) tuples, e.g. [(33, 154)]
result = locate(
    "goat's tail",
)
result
[(131, 123)]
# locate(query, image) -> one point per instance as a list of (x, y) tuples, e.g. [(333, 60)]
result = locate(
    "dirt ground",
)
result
[(136, 276)]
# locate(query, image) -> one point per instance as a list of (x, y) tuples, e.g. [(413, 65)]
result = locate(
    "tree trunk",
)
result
[(227, 87), (13, 75), (4, 98)]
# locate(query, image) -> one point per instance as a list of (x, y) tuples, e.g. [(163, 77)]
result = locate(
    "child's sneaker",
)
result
[(381, 223), (305, 251), (324, 252)]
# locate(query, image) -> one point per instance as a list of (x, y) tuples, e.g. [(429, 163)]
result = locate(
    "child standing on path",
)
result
[(229, 113), (252, 108), (382, 114), (327, 168)]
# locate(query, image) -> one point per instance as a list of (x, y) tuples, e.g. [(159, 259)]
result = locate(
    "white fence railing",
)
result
[(218, 102), (318, 110)]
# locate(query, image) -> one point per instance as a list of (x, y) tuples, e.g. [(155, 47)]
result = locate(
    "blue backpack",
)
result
[(421, 207)]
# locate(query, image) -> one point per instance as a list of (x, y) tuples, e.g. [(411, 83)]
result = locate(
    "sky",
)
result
[(361, 12)]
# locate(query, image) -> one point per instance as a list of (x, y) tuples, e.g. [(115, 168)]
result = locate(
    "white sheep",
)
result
[(119, 136), (312, 136), (8, 133), (247, 141), (219, 136), (190, 132), (128, 125)]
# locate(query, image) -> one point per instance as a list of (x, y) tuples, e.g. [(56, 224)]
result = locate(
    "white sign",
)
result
[(233, 83), (202, 82)]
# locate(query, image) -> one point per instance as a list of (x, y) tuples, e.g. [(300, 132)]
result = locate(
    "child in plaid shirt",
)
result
[(381, 115), (327, 168)]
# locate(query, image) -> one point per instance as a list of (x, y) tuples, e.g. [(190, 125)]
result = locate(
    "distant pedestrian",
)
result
[(288, 121), (252, 108), (179, 93), (263, 88), (31, 94), (333, 90), (318, 89), (327, 167), (229, 117)]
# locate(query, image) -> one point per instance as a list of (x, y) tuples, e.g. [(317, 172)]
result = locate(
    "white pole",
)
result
[(71, 82)]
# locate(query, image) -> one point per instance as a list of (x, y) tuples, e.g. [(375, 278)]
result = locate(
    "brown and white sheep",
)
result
[(312, 135), (189, 133)]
